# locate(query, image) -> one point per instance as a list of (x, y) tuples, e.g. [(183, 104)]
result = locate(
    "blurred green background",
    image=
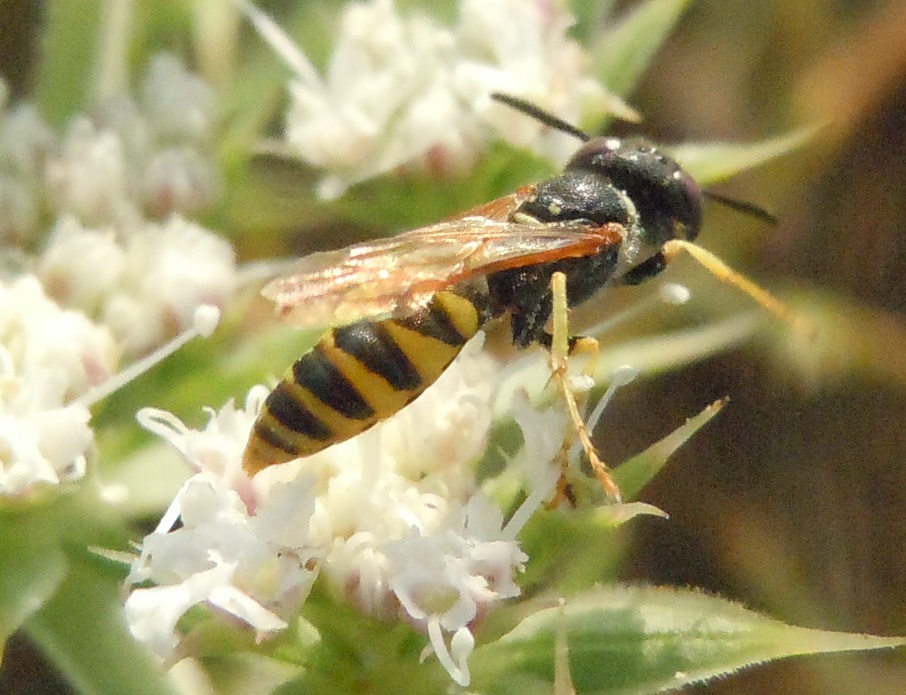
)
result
[(794, 500)]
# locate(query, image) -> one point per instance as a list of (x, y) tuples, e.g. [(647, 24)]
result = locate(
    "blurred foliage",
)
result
[(794, 503)]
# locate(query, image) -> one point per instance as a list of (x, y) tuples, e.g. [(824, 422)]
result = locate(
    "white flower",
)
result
[(25, 141), (406, 89), (144, 281), (40, 338), (178, 178), (80, 265), (445, 578), (41, 443), (393, 518), (116, 165), (216, 449), (181, 110), (128, 159), (89, 176), (48, 356), (258, 568), (170, 270), (128, 284), (178, 104)]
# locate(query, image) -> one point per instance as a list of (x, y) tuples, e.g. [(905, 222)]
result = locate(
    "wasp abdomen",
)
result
[(362, 373)]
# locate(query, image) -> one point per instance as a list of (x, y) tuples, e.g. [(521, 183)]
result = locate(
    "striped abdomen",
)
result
[(360, 374)]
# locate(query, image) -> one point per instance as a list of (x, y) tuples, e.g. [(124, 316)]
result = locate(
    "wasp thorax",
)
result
[(667, 199), (578, 195)]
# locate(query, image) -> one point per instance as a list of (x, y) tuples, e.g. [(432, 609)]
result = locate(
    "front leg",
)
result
[(718, 268), (647, 269), (560, 348)]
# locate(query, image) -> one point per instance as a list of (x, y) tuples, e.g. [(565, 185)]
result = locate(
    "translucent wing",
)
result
[(393, 275)]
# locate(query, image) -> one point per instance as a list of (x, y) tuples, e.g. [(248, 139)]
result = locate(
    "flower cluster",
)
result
[(48, 355), (255, 567), (144, 281), (124, 184), (417, 91), (149, 157), (394, 519), (100, 260)]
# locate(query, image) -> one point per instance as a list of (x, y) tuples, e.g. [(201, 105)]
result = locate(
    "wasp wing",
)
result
[(393, 275)]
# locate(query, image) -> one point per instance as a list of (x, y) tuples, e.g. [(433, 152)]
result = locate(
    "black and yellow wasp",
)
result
[(403, 307)]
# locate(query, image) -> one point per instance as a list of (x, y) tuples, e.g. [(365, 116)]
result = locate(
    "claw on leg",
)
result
[(559, 357)]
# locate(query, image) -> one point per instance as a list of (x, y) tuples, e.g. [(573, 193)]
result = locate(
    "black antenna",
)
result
[(540, 115), (742, 206), (550, 120)]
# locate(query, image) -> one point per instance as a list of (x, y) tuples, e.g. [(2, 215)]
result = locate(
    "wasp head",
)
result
[(668, 201)]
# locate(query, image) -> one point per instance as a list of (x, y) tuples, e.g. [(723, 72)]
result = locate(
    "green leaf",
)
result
[(586, 549), (666, 351), (638, 471), (715, 162), (355, 653), (67, 599), (589, 16), (64, 77), (83, 632), (414, 199), (851, 340), (621, 55), (33, 568), (632, 640)]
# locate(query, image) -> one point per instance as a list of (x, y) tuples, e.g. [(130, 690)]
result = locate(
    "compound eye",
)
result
[(689, 200)]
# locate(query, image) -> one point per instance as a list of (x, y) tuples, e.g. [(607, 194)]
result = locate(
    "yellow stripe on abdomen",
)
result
[(360, 374)]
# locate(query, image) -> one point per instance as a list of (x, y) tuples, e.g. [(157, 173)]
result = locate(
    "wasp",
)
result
[(403, 307)]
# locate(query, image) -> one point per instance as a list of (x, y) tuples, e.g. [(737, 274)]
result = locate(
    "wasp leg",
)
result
[(561, 347), (725, 273)]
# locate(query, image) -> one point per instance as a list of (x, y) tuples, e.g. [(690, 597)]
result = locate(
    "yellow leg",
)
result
[(725, 273), (559, 357)]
